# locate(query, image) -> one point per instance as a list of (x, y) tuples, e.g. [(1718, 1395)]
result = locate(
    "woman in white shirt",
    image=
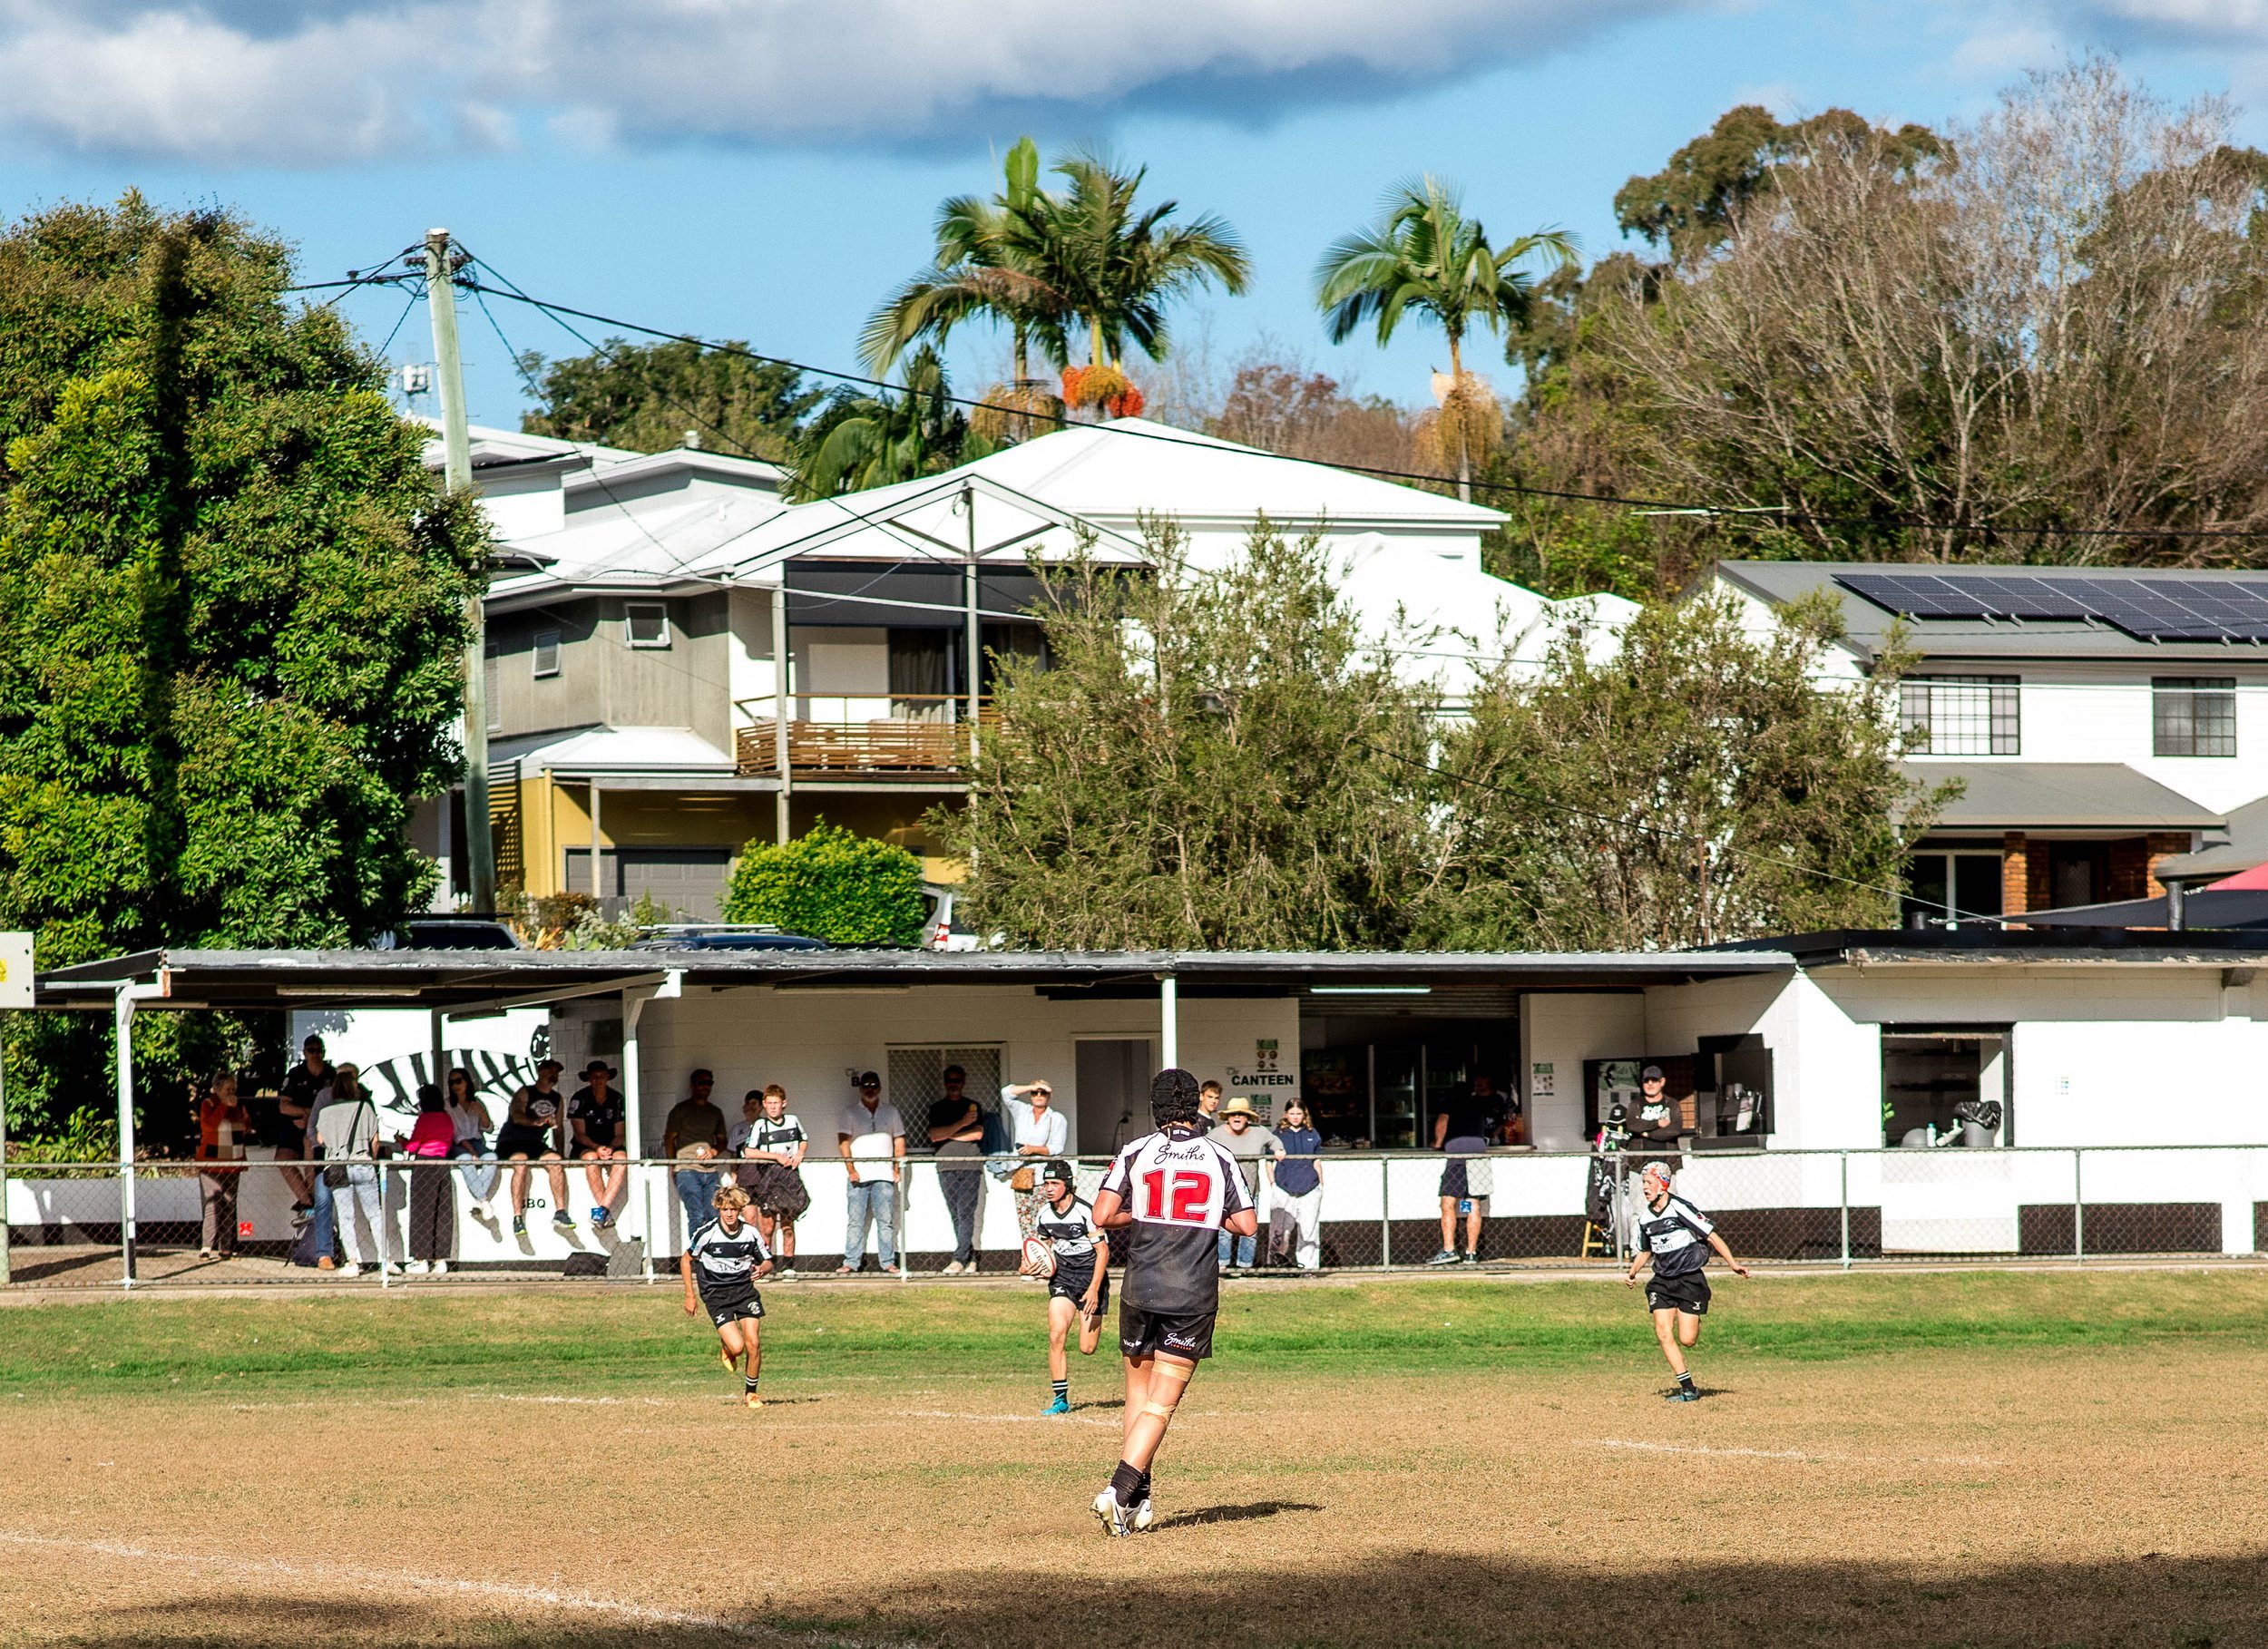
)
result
[(1041, 1132)]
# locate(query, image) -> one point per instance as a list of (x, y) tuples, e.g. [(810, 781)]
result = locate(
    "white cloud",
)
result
[(279, 82)]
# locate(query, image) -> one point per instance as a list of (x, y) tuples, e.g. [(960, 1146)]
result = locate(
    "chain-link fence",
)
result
[(396, 1221)]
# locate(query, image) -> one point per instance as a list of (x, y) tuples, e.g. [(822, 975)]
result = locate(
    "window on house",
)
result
[(545, 658), (2192, 716), (646, 623), (1963, 714), (492, 677), (1957, 884)]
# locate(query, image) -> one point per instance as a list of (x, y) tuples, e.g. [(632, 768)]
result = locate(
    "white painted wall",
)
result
[(749, 657), (1556, 1034)]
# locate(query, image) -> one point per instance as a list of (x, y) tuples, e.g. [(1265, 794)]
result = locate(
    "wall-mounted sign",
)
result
[(15, 969), (1539, 1080)]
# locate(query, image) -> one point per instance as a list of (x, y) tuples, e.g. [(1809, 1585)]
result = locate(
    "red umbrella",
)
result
[(2254, 880)]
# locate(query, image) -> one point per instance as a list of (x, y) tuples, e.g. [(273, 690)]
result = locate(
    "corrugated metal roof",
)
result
[(2059, 795)]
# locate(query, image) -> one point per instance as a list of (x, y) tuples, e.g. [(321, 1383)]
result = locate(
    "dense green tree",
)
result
[(648, 397), (1427, 258), (1688, 786), (231, 606), (830, 883), (1204, 761)]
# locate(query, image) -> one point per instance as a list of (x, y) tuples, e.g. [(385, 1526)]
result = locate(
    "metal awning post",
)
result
[(634, 1000), (781, 659), (1169, 1021), (598, 885)]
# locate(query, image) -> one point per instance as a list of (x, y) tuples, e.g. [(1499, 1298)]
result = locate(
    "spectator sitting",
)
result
[(1295, 1199), (871, 1137), (297, 1098), (469, 1124), (1041, 1131), (1249, 1145), (222, 1126), (596, 1116), (692, 1136), (957, 1127), (432, 1203), (530, 1125)]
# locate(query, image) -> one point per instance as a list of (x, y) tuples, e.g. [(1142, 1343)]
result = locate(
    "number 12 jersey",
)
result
[(1180, 1186)]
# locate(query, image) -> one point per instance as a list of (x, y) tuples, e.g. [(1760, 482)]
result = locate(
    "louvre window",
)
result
[(2192, 716), (545, 656), (1963, 714), (647, 623)]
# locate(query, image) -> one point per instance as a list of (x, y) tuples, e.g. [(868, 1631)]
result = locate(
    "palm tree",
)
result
[(991, 264), (1426, 255), (1119, 268), (859, 441)]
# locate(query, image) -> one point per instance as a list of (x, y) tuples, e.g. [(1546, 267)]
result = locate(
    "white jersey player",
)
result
[(1172, 1193)]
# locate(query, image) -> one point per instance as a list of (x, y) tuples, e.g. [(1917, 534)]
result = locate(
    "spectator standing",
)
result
[(1463, 1130), (772, 1147), (1040, 1131), (595, 1115), (468, 1124), (535, 1127), (1249, 1145), (871, 1137), (1655, 1129), (957, 1127), (223, 1125), (348, 1130), (1208, 1105), (692, 1137), (432, 1203), (297, 1098), (1294, 1202)]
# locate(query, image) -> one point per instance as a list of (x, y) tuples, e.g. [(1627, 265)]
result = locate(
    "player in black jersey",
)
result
[(722, 1259), (1173, 1192), (1080, 1286), (1678, 1238)]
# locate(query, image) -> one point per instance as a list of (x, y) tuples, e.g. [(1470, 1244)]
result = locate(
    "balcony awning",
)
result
[(2059, 795)]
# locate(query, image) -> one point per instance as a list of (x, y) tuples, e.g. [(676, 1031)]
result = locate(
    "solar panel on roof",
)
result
[(2149, 610)]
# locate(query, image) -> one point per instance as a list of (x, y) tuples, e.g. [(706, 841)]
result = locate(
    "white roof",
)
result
[(616, 750)]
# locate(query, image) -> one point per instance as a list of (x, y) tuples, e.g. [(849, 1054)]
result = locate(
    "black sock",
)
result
[(1062, 1391), (748, 1380), (1143, 1494), (1127, 1484), (1686, 1381)]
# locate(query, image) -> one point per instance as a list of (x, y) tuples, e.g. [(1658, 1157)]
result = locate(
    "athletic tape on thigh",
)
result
[(1179, 1373)]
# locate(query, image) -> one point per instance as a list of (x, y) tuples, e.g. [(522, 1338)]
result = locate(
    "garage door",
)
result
[(689, 881)]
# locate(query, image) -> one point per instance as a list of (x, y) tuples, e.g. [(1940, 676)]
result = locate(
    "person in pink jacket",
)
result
[(431, 1202)]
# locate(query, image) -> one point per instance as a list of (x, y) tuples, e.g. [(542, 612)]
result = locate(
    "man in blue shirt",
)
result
[(1295, 1199)]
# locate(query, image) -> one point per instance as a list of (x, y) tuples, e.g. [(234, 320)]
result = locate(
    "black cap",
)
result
[(542, 1065), (597, 1065), (1060, 1170), (1652, 1073), (866, 1078)]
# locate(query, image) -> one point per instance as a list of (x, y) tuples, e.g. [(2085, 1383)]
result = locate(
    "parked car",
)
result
[(722, 936), (943, 931), (448, 933)]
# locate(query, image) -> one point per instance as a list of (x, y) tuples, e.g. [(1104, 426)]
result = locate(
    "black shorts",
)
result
[(1688, 1294), (579, 1152), (513, 1140), (724, 1308), (1070, 1279), (1142, 1333)]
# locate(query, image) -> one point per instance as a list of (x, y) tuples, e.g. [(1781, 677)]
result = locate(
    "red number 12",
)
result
[(1192, 1189)]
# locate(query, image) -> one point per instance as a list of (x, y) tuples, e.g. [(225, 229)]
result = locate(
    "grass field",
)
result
[(1966, 1458)]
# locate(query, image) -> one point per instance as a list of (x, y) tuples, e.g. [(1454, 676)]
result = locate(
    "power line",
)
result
[(1518, 489)]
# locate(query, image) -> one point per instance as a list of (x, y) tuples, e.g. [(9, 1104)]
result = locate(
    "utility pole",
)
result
[(456, 446)]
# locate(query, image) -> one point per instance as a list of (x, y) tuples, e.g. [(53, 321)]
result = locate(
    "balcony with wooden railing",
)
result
[(903, 736)]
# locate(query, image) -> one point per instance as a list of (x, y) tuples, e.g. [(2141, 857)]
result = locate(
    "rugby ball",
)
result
[(1038, 1257)]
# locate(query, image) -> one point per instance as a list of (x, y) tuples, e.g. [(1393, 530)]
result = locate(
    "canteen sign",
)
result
[(15, 969), (1266, 1067)]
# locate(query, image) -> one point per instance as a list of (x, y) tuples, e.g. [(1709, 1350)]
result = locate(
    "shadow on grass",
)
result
[(1138, 1592), (1236, 1514)]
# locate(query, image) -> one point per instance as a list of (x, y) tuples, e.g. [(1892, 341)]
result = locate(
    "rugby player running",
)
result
[(1173, 1192), (723, 1259), (1079, 1288), (1677, 1237)]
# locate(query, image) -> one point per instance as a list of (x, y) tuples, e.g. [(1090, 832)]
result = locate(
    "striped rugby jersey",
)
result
[(1070, 1230), (1179, 1185), (1679, 1235), (723, 1262)]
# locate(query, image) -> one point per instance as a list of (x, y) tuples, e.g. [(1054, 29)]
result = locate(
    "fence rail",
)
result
[(101, 1225)]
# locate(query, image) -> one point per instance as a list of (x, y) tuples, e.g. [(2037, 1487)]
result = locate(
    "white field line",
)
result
[(1045, 1419), (1796, 1454), (542, 1597)]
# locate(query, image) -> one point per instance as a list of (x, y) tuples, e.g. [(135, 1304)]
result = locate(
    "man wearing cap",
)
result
[(1079, 1285), (1654, 1130), (594, 1117), (1243, 1138), (535, 1116), (871, 1137), (1678, 1238), (692, 1136), (1463, 1130)]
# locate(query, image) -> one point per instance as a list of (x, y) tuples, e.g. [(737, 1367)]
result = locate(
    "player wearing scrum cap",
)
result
[(1173, 1192), (1079, 1285), (1677, 1237), (722, 1259)]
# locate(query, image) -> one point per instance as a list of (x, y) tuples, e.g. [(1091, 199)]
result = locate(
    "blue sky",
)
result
[(772, 179)]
